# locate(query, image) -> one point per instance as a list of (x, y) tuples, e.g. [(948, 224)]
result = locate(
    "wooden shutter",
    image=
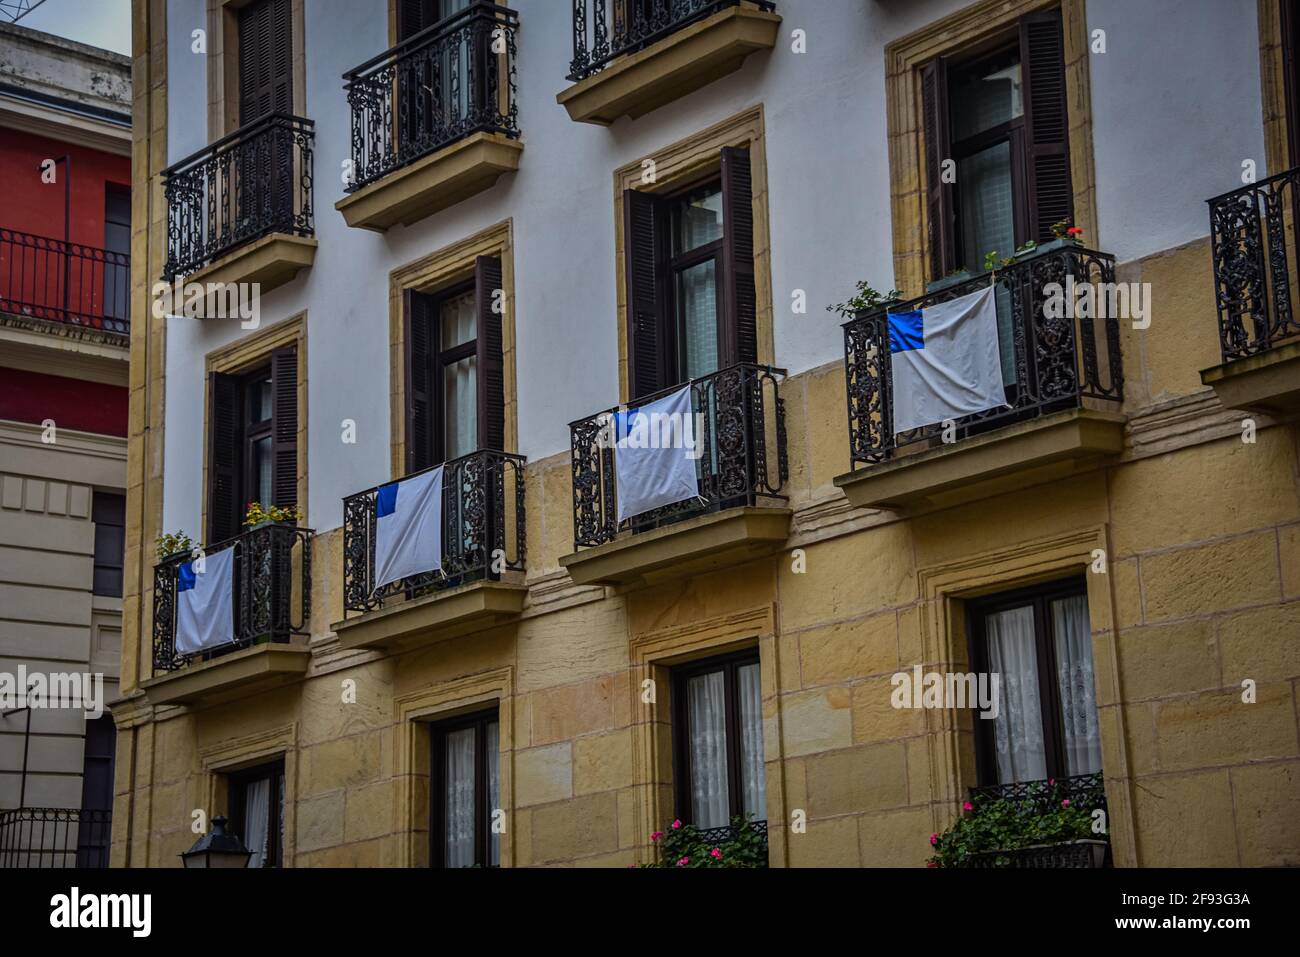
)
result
[(1047, 159), (421, 330), (224, 507), (265, 59), (284, 426), (738, 336), (414, 16), (647, 341), (491, 366), (939, 202)]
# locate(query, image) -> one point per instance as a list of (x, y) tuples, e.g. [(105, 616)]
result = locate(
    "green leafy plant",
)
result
[(169, 543), (257, 514), (867, 299), (1048, 815), (1024, 248), (682, 845), (1062, 229)]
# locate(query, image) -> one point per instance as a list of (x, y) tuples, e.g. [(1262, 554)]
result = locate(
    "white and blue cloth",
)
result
[(204, 603), (646, 475), (408, 527)]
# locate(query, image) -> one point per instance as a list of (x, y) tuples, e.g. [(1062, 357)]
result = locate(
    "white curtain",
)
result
[(698, 291), (257, 821), (706, 703), (460, 798), (1018, 728), (1073, 637), (459, 323), (752, 775), (494, 791)]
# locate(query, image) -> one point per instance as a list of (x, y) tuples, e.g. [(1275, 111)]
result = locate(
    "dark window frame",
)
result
[(237, 783), (250, 433), (729, 663), (438, 731), (673, 265), (440, 359), (1040, 597), (98, 499)]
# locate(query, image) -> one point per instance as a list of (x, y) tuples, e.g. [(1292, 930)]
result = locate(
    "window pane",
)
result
[(1073, 640), (457, 320), (985, 97), (259, 400), (257, 820), (1018, 728), (707, 726), (697, 295), (461, 407), (752, 776), (459, 796), (986, 211), (262, 470), (697, 220), (494, 791)]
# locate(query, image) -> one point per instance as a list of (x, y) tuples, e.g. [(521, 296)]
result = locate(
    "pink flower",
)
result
[(656, 835), (934, 839), (1051, 782), (676, 825), (715, 854), (1065, 803), (968, 806), (683, 862), (931, 864)]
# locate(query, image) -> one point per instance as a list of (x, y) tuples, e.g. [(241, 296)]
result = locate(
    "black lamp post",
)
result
[(217, 849)]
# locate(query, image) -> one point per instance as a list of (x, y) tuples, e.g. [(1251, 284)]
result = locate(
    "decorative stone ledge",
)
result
[(272, 261), (433, 618), (234, 675), (1017, 456), (1267, 382), (683, 549), (432, 183), (672, 67)]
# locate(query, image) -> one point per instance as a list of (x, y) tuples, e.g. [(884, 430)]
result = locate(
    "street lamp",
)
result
[(217, 849)]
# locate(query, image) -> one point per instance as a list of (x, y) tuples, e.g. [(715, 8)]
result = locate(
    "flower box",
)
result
[(1068, 854)]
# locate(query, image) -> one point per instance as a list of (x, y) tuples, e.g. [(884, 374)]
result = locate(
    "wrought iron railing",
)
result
[(719, 835), (1057, 360), (741, 454), (78, 285), (248, 184), (1253, 250), (54, 837), (619, 27), (1087, 791), (452, 79), (1071, 854), (271, 579), (482, 531)]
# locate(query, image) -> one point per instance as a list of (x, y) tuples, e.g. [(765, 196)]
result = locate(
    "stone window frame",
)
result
[(273, 744)]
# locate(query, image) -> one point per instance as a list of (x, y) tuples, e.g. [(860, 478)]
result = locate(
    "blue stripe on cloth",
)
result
[(386, 500), (185, 578), (905, 331)]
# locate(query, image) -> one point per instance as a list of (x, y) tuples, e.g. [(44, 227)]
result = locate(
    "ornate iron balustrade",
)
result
[(1252, 245), (1058, 360), (1088, 789), (482, 531), (619, 27), (54, 837), (452, 79), (1071, 854), (64, 282), (1085, 790), (741, 447), (272, 592), (248, 184)]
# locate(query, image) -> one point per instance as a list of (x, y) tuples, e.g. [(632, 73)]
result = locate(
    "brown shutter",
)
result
[(414, 16), (421, 326), (284, 426), (738, 336), (647, 342), (1047, 161), (265, 59), (491, 367), (934, 104), (224, 507)]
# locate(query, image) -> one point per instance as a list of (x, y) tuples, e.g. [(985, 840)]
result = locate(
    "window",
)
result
[(254, 442), (257, 812), (94, 832), (690, 278), (1039, 643), (265, 59), (108, 512), (1000, 116), (1289, 11), (465, 792), (718, 751), (455, 385), (117, 239)]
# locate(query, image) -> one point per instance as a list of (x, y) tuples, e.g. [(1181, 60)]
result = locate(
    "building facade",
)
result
[(476, 230), (65, 146)]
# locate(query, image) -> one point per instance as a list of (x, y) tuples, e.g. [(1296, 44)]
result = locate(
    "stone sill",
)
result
[(433, 618), (1268, 382), (272, 261), (670, 68), (684, 549), (234, 675), (432, 183), (1015, 457)]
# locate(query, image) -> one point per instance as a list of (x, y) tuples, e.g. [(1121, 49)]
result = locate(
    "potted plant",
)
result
[(257, 516), (683, 845), (1063, 234), (867, 299), (954, 278), (171, 545)]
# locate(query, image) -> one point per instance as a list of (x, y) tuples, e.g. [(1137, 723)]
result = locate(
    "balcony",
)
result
[(1253, 248), (639, 55), (480, 584), (43, 837), (434, 119), (739, 514), (1061, 415), (240, 210), (272, 605), (75, 287), (1035, 797)]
